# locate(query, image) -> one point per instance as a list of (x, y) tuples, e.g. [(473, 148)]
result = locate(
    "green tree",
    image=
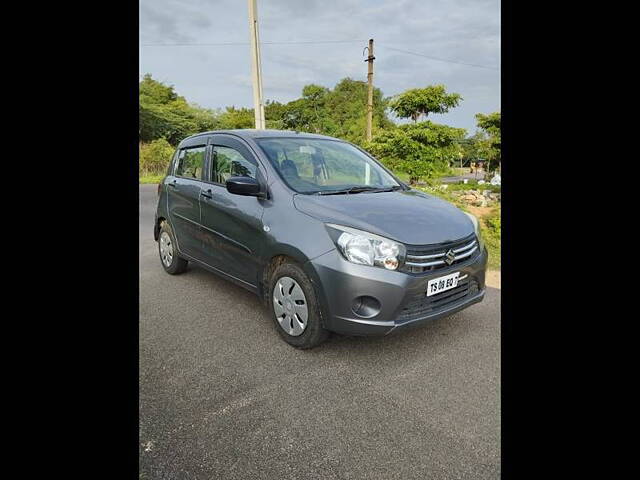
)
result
[(238, 118), (273, 114), (490, 146), (423, 150), (152, 91), (418, 102), (470, 147), (308, 113), (165, 114), (347, 107), (340, 112), (233, 118)]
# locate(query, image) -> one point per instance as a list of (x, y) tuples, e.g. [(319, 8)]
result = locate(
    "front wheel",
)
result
[(169, 258), (295, 308)]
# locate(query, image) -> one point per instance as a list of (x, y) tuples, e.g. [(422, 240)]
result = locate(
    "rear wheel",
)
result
[(294, 306), (169, 258)]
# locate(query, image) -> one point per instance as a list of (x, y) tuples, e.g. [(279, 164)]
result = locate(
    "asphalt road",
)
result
[(222, 396), (459, 178)]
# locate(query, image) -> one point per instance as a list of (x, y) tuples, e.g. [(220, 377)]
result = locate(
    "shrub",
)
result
[(155, 157), (494, 223), (491, 231), (423, 150)]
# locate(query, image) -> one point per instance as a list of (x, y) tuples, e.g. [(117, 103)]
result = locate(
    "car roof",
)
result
[(253, 133)]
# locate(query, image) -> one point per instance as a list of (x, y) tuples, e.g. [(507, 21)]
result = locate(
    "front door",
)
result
[(183, 199), (232, 224)]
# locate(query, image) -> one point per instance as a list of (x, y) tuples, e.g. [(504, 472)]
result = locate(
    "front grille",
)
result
[(430, 258), (420, 305)]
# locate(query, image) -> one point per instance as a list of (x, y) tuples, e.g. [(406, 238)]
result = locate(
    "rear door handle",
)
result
[(173, 184), (206, 194)]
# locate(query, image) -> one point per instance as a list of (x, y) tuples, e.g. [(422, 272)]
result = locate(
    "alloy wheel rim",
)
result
[(290, 306), (166, 249)]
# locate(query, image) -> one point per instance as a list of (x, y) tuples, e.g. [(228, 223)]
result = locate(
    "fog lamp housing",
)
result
[(365, 306)]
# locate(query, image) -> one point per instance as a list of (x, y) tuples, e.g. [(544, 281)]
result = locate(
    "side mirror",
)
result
[(244, 186)]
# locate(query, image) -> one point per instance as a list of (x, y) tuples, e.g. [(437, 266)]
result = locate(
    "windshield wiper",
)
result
[(359, 189)]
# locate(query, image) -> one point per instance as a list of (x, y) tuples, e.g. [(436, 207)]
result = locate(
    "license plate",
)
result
[(442, 284)]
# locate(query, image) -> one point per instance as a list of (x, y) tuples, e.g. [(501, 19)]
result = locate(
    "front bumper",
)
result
[(401, 296)]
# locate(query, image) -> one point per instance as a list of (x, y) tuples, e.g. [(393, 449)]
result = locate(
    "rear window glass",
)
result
[(191, 162)]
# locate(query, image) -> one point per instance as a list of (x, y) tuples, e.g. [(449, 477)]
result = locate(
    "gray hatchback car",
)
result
[(322, 232)]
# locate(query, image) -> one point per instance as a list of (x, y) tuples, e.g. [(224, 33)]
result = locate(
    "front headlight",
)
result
[(366, 248), (476, 227)]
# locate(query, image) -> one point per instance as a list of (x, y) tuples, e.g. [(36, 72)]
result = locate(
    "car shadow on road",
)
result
[(441, 332)]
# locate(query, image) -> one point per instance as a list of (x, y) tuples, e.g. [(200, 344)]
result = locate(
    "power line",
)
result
[(192, 44), (441, 59), (310, 42), (314, 42)]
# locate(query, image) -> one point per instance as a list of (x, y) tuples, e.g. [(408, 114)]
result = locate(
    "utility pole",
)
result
[(370, 60), (256, 67)]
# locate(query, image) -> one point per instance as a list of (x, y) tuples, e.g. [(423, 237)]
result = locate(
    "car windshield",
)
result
[(325, 166)]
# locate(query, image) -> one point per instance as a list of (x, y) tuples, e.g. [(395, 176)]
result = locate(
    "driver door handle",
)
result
[(206, 194)]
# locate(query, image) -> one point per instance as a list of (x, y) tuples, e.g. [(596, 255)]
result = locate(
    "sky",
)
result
[(462, 31)]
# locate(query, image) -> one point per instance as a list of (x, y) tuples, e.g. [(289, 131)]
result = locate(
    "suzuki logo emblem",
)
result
[(449, 257)]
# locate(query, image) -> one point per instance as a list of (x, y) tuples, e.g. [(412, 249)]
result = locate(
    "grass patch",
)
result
[(443, 194), (473, 185), (151, 178), (402, 176), (405, 177)]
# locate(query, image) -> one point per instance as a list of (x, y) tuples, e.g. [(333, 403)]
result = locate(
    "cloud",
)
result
[(459, 30)]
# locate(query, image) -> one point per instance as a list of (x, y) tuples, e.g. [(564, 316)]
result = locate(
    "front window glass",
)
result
[(313, 165), (228, 162)]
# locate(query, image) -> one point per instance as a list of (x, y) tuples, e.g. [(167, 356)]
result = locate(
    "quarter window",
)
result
[(191, 162), (228, 162)]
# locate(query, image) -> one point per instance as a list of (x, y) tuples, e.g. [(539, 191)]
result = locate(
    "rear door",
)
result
[(183, 197), (232, 224)]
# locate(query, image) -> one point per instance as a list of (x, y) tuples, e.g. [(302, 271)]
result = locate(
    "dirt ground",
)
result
[(493, 278), (478, 211)]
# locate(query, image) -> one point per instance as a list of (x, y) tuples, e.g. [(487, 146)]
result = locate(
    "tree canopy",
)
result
[(340, 112), (418, 102), (421, 149), (491, 124), (165, 114), (490, 146), (470, 146)]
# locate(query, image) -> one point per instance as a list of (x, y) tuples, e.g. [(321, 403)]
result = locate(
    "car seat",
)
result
[(289, 169)]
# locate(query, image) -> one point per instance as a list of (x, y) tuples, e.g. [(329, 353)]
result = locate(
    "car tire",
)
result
[(294, 278), (172, 263)]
